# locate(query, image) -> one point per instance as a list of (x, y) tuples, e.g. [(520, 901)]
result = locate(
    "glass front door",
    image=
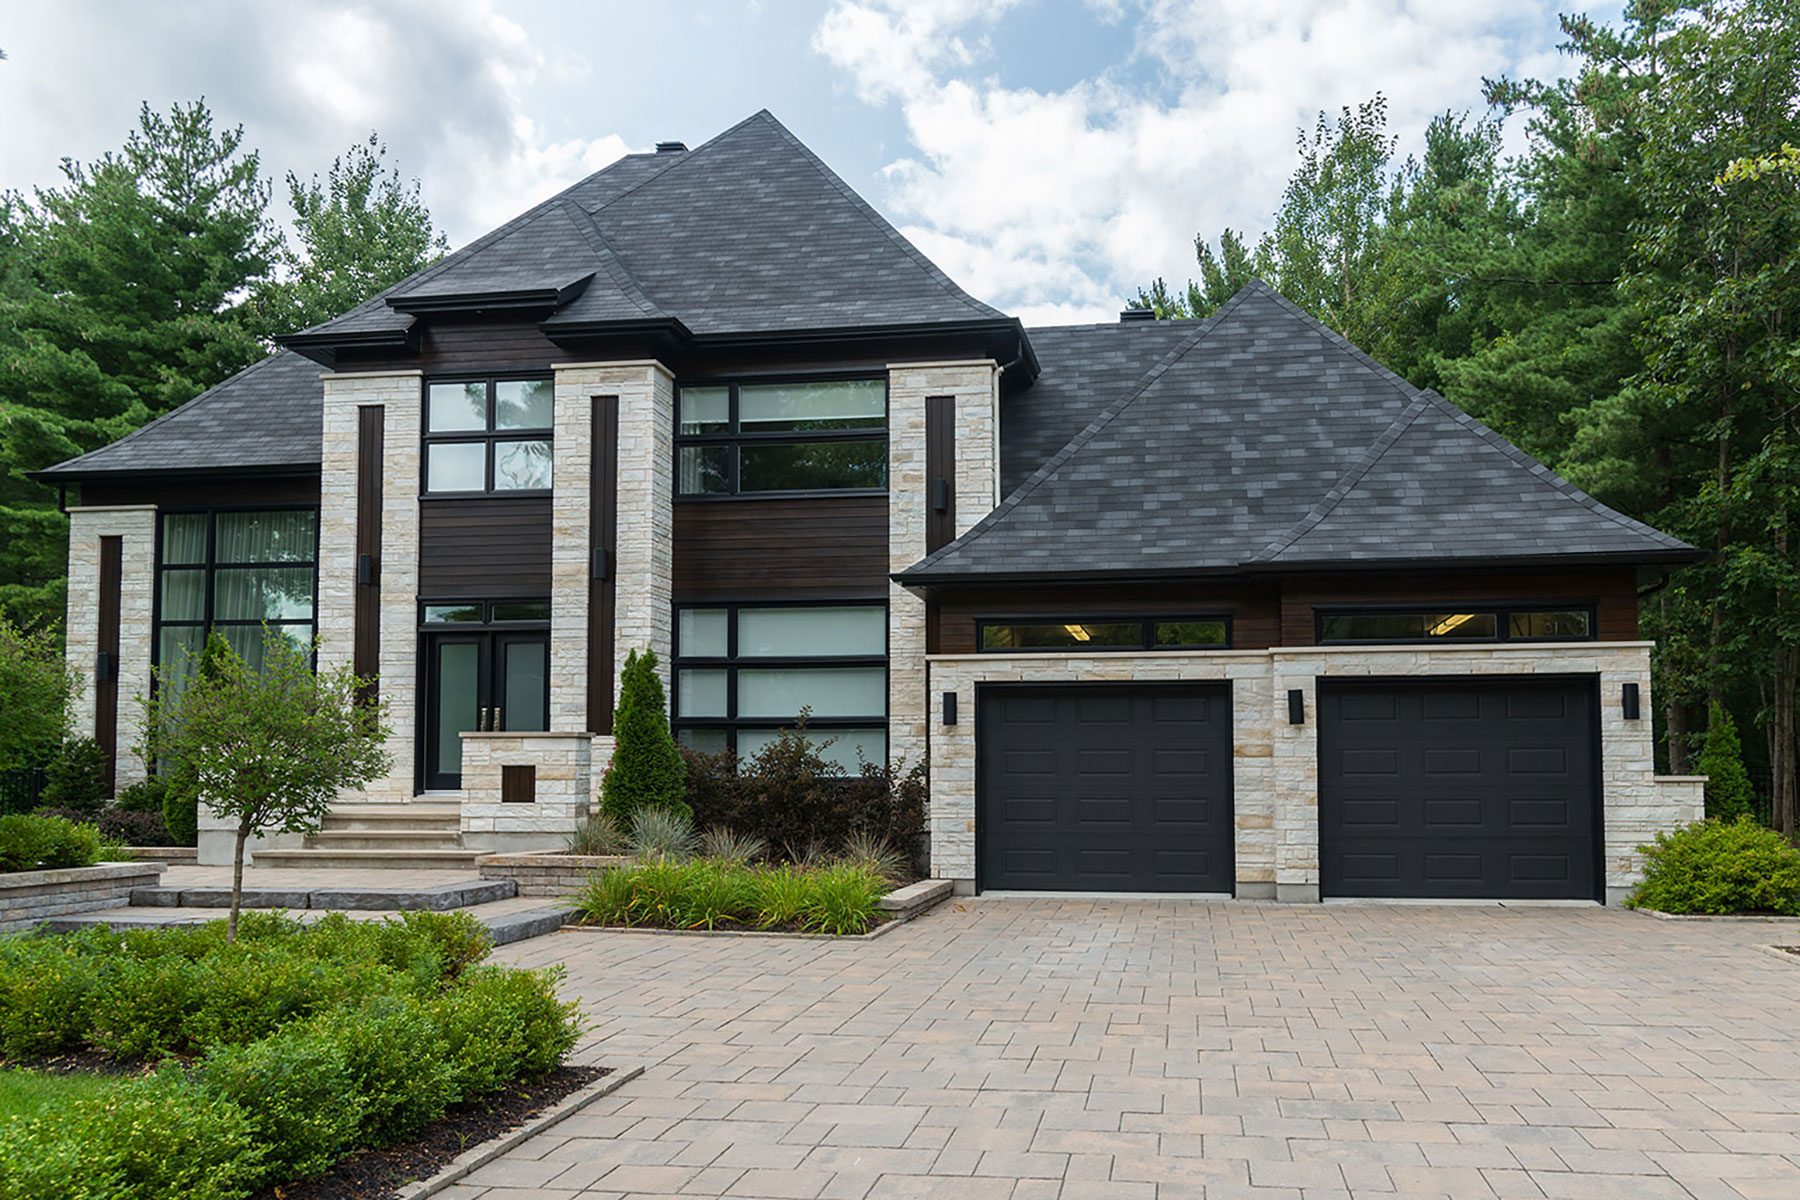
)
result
[(480, 681)]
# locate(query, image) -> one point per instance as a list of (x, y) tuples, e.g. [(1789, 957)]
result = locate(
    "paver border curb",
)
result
[(480, 1156), (1792, 960), (1750, 918)]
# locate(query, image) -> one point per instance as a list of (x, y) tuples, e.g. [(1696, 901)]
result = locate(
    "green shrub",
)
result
[(249, 993), (844, 900), (296, 1089), (606, 897), (782, 894), (151, 1139), (598, 833), (142, 1006), (502, 1024), (1720, 867), (36, 686), (398, 1062), (647, 770), (1728, 791), (146, 795), (46, 996), (661, 834), (457, 939), (76, 777), (35, 842), (723, 845), (181, 815), (709, 893)]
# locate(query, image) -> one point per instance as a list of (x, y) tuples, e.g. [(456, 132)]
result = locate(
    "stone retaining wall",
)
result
[(548, 874), (28, 897)]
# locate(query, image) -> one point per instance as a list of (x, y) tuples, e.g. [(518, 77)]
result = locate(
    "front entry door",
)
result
[(480, 681)]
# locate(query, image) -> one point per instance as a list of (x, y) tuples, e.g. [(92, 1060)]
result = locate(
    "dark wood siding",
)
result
[(484, 547), (106, 679), (1611, 591), (603, 510), (203, 491), (366, 640), (449, 346), (940, 471), (1254, 609), (750, 549)]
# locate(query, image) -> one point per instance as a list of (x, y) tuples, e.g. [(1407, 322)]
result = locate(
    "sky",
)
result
[(1050, 155)]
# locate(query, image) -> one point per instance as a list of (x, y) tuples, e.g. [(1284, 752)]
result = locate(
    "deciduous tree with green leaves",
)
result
[(36, 688), (269, 747)]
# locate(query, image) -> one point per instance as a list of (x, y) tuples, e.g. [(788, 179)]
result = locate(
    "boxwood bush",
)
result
[(30, 842), (305, 1043), (1720, 867)]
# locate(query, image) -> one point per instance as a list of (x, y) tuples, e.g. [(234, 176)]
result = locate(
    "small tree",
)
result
[(36, 686), (269, 746), (1728, 792), (646, 769)]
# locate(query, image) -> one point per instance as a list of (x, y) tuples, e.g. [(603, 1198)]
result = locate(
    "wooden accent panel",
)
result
[(603, 527), (451, 345), (366, 607), (1254, 609), (203, 491), (518, 784), (486, 547), (820, 546), (940, 471), (1612, 591), (106, 676)]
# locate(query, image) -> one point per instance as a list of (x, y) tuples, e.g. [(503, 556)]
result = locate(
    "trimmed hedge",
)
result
[(1718, 868), (35, 842), (710, 894), (311, 1042)]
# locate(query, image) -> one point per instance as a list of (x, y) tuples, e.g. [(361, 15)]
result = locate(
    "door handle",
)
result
[(495, 723), (481, 720)]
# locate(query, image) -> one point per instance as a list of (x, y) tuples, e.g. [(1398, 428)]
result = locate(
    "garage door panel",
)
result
[(1500, 805), (1141, 803)]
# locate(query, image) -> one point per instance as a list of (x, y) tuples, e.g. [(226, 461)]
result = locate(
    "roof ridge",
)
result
[(1088, 432), (611, 263), (676, 160), (1346, 484), (882, 224)]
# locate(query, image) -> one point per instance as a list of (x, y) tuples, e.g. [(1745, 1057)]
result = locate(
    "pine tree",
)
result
[(646, 769), (1728, 792)]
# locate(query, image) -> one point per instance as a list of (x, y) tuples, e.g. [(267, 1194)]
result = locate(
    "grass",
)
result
[(720, 894), (32, 1093)]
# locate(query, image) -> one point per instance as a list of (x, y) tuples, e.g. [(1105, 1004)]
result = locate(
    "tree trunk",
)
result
[(237, 881), (1781, 741), (1676, 735)]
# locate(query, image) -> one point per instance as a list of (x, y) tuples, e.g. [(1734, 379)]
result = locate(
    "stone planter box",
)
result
[(28, 897), (547, 873)]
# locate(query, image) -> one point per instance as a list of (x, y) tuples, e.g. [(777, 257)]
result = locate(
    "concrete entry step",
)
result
[(506, 921), (432, 818), (346, 898), (386, 839), (396, 859)]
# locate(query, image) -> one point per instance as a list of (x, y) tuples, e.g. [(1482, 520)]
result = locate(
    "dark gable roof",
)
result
[(1263, 441)]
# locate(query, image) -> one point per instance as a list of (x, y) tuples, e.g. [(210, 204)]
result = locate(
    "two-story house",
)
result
[(1212, 607)]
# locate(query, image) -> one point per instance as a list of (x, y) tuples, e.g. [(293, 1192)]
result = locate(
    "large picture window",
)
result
[(488, 435), (1458, 623), (249, 574), (737, 439), (1109, 633), (743, 673)]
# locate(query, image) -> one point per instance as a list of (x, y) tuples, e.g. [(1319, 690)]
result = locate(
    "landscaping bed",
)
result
[(270, 1061)]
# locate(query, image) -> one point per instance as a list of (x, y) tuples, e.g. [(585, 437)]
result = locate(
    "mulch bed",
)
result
[(379, 1174)]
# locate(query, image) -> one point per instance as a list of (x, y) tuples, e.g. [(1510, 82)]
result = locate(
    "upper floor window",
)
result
[(488, 435), (770, 438), (1473, 623), (1114, 633)]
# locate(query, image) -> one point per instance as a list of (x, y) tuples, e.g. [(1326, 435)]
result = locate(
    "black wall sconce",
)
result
[(949, 708), (366, 570), (1296, 707), (1628, 701), (602, 566), (106, 670)]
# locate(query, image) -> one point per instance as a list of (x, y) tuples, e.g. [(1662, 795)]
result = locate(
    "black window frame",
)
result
[(734, 437), (731, 663), (208, 570), (1146, 632), (488, 438), (1503, 612)]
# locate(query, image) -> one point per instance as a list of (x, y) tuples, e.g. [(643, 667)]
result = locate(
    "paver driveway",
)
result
[(1035, 1049)]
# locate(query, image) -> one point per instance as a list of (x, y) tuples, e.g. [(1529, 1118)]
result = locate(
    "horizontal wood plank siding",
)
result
[(1611, 591), (750, 549), (484, 548), (1254, 609), (202, 491)]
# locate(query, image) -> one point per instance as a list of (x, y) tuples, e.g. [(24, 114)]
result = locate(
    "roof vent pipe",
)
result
[(671, 147), (1137, 314)]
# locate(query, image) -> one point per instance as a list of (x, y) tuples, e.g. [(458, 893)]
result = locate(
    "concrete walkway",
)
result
[(1034, 1049)]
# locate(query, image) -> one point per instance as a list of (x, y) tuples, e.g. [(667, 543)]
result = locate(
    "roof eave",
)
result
[(322, 347), (514, 300), (57, 475)]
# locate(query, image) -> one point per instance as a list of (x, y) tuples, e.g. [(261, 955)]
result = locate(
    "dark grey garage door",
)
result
[(1093, 787), (1477, 788)]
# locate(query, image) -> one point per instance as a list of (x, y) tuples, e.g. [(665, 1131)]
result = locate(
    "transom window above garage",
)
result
[(1459, 623), (1105, 633), (743, 672)]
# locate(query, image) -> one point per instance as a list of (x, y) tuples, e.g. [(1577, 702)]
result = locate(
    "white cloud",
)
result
[(1060, 202)]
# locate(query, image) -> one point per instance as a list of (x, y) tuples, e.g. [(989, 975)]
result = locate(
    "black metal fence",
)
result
[(20, 789)]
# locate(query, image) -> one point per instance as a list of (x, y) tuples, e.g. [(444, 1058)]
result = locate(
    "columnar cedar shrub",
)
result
[(1728, 792), (1720, 867), (647, 770), (76, 777)]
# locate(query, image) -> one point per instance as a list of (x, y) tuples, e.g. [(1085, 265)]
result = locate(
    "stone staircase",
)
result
[(420, 836)]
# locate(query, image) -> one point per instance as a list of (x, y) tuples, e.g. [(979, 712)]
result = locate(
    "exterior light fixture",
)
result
[(1296, 707), (1628, 701)]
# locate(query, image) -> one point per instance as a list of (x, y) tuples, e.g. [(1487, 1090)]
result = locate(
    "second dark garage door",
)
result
[(1469, 788), (1095, 787)]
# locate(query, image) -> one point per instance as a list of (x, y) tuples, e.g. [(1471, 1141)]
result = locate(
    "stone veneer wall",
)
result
[(975, 384), (399, 392), (1275, 779), (136, 526), (29, 897), (564, 763)]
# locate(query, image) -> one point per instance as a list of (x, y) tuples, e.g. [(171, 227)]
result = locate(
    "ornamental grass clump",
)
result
[(1720, 867), (706, 893)]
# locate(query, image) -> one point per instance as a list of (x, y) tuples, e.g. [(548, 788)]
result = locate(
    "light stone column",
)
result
[(400, 394), (135, 524), (977, 478)]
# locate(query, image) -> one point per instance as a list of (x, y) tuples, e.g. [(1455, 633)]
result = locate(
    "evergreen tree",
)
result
[(647, 770), (1728, 792)]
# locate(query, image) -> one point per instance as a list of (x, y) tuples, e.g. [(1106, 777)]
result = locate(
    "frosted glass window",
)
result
[(521, 466), (839, 746), (523, 404), (702, 633), (702, 693), (453, 407), (525, 697), (810, 407), (811, 632), (456, 467), (827, 691)]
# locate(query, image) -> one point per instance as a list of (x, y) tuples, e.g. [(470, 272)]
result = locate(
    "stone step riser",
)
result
[(360, 824), (405, 839), (386, 859)]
